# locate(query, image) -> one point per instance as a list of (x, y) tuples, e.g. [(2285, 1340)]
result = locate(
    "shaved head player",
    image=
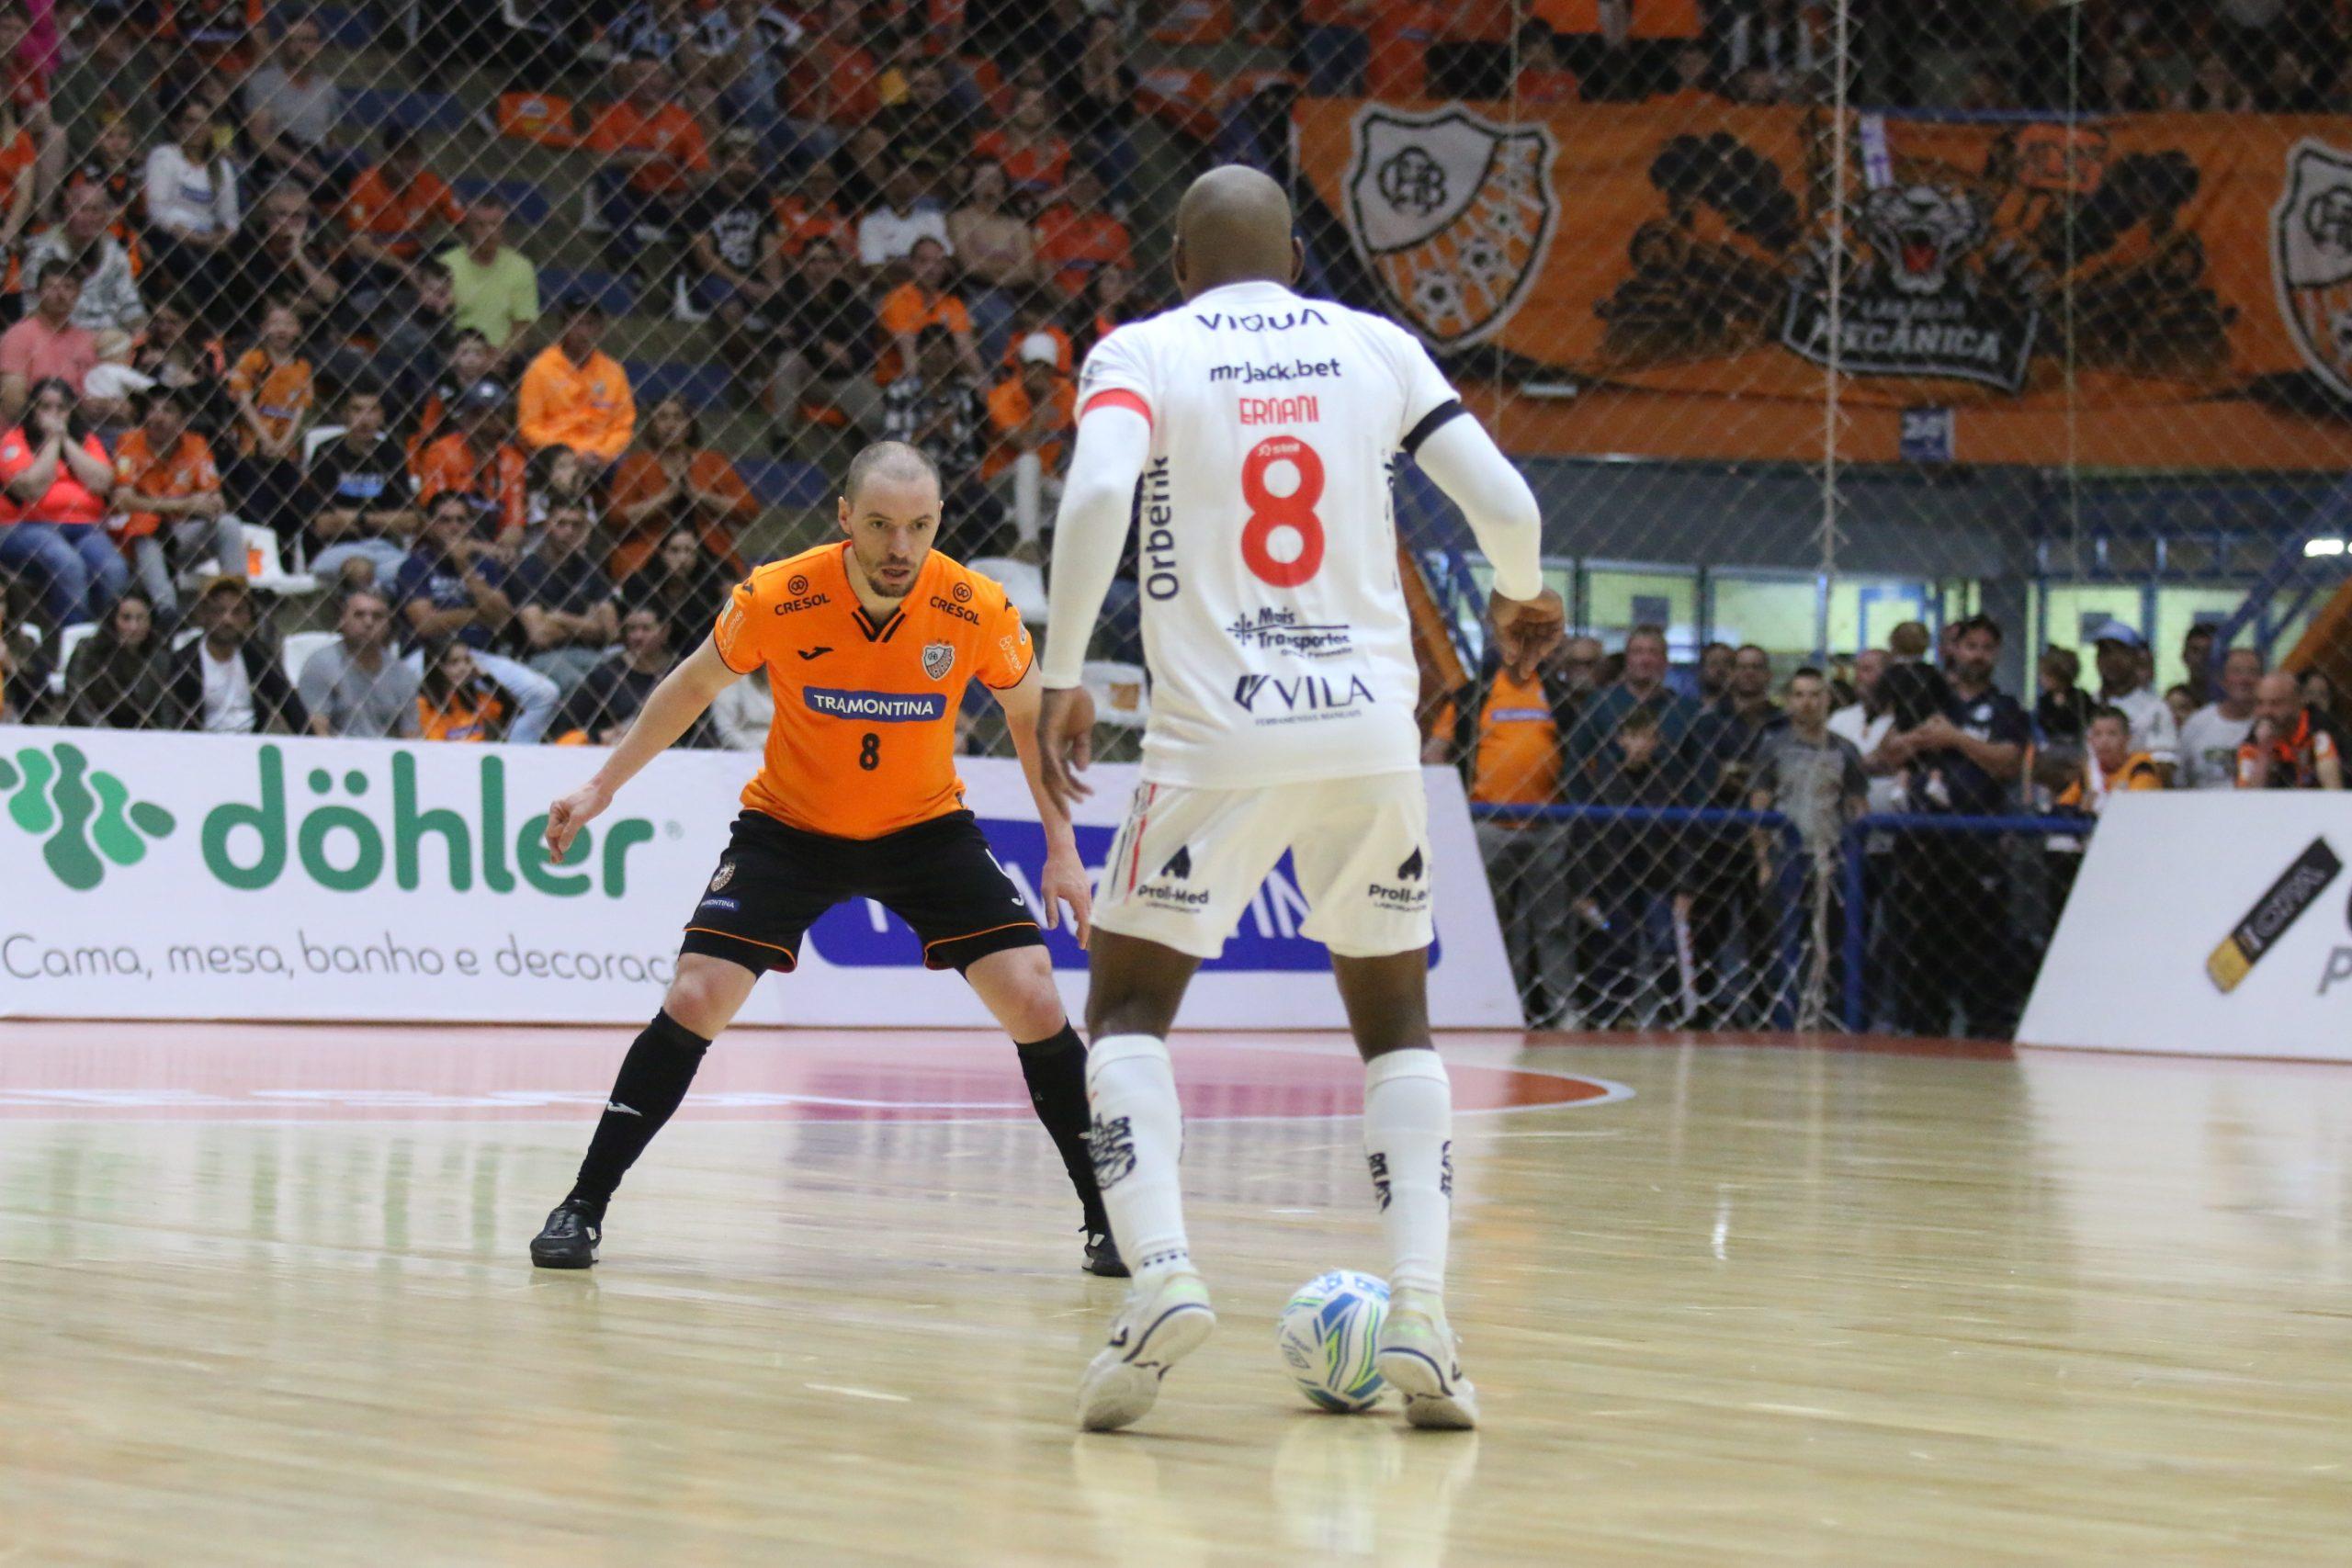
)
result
[(867, 643), (1261, 428)]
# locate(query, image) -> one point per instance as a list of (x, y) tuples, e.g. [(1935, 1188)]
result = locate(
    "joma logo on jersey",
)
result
[(876, 707), (1305, 694)]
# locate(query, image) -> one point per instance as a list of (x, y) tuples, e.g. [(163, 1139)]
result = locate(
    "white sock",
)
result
[(1138, 1136), (1409, 1143)]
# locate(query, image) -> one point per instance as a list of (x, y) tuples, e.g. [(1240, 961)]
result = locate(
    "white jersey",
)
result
[(1275, 627)]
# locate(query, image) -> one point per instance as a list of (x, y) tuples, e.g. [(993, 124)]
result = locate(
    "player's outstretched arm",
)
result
[(1114, 443), (1064, 879), (680, 698), (1463, 460)]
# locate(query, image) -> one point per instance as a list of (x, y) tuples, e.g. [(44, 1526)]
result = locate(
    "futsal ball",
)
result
[(1328, 1335)]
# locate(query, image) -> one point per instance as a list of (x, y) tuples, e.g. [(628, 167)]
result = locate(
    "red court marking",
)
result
[(182, 1072)]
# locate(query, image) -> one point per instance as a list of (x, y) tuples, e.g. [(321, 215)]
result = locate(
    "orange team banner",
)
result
[(1674, 261)]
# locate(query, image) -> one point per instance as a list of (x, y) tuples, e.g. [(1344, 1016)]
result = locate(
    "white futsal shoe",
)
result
[(1420, 1355), (1157, 1326)]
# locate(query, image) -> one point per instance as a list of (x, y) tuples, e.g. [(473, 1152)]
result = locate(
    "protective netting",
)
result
[(432, 369)]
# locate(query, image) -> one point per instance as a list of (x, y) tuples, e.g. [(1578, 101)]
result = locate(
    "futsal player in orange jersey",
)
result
[(867, 644)]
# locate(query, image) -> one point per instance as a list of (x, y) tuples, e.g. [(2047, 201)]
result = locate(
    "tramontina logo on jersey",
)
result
[(2311, 258), (1453, 212), (1270, 699), (875, 708), (1283, 630)]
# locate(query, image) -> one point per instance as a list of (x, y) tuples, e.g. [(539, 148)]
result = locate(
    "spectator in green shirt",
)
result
[(496, 287)]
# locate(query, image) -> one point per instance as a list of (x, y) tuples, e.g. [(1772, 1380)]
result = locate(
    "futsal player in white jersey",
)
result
[(1250, 434)]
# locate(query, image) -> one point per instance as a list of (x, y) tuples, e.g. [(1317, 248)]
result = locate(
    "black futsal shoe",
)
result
[(1102, 1255), (569, 1238)]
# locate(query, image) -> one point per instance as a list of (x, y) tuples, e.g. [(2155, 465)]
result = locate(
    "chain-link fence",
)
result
[(1906, 385)]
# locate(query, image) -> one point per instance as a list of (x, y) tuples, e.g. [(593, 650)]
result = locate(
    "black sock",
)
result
[(1056, 1069), (652, 1081)]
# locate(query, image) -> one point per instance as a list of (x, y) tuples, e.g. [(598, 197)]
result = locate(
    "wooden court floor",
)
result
[(264, 1300)]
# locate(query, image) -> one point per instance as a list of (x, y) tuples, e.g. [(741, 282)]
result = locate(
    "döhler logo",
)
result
[(88, 815)]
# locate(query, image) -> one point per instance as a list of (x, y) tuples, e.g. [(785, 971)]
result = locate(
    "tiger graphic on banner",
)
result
[(1452, 213), (2311, 258)]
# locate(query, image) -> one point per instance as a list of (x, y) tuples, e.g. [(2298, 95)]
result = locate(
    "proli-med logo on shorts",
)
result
[(938, 658), (2311, 258), (1453, 212), (2296, 889)]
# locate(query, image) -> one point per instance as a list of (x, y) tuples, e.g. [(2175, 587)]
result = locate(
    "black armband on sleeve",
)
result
[(1429, 423)]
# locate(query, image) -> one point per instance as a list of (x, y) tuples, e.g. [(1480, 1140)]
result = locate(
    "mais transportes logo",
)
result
[(89, 823)]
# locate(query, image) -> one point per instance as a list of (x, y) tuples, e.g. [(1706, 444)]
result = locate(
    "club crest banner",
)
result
[(1685, 252)]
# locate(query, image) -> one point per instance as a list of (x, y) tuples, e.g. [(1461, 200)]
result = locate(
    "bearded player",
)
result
[(1262, 429), (867, 644)]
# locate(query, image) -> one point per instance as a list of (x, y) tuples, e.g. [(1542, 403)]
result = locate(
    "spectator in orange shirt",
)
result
[(1076, 235), (165, 472), (1033, 313), (1543, 76), (814, 211), (19, 153), (923, 301), (475, 460), (271, 383), (672, 480), (1109, 303), (833, 90), (1031, 415), (1035, 159), (656, 154), (575, 395), (394, 212), (47, 343)]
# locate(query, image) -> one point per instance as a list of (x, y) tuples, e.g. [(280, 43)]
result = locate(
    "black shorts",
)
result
[(938, 876)]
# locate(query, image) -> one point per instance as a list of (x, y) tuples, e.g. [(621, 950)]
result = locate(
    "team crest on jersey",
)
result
[(722, 876), (938, 659), (2311, 258), (1453, 212)]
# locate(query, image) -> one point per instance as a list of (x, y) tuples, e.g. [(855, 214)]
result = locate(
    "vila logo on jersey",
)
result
[(1303, 699), (2296, 889), (1411, 890), (1267, 940), (2311, 258), (1283, 630), (938, 658), (1453, 212), (874, 707)]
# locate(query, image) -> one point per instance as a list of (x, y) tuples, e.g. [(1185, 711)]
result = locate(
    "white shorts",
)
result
[(1187, 862)]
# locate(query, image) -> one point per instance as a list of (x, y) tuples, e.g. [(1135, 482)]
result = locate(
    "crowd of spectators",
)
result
[(1622, 904), (231, 312)]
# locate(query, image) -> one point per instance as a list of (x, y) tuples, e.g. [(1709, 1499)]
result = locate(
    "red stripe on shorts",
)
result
[(1143, 820)]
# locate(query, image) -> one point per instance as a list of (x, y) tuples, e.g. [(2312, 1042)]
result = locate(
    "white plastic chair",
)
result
[(69, 640), (1121, 697), (265, 567), (1023, 584), (297, 649), (317, 437)]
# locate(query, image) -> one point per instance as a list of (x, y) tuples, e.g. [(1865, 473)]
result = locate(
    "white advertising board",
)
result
[(2207, 922), (195, 877)]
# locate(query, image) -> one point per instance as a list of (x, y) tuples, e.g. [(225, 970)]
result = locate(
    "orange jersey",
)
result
[(864, 739), (398, 218), (1009, 407), (281, 395), (669, 131), (187, 470), (501, 478)]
